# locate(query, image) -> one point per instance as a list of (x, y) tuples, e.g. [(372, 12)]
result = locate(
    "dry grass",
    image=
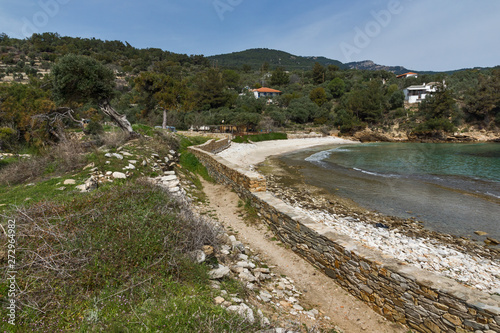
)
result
[(114, 139), (66, 156)]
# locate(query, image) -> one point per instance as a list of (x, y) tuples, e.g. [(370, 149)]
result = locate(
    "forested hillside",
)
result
[(266, 59), (52, 84)]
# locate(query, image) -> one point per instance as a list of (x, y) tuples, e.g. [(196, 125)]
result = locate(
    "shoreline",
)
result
[(247, 155), (456, 257)]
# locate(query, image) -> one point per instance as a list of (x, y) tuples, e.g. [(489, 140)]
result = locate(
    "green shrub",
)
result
[(260, 137)]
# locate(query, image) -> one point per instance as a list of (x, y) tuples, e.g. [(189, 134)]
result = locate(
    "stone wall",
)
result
[(215, 146), (423, 301)]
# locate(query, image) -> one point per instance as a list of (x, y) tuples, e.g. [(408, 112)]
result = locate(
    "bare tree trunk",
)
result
[(164, 124), (120, 120)]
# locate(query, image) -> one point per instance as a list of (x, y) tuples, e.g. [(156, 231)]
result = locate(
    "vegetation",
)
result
[(260, 137), (93, 81), (115, 260)]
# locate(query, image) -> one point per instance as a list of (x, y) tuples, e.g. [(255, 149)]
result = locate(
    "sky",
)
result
[(425, 35)]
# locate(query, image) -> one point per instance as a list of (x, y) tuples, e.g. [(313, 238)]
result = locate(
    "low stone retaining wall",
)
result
[(215, 146), (422, 300)]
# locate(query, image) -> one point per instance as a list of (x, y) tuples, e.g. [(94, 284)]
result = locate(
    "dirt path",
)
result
[(319, 291)]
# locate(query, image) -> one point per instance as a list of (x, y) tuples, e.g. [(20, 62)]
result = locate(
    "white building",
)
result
[(416, 94)]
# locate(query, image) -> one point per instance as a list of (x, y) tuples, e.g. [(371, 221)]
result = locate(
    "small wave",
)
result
[(376, 174), (318, 157), (493, 195)]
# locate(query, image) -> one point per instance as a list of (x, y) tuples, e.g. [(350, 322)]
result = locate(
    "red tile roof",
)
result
[(406, 74), (267, 90)]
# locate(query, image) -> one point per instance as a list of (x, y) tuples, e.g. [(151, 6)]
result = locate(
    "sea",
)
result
[(452, 188)]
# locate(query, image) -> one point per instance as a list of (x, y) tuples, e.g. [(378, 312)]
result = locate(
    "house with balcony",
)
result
[(417, 93)]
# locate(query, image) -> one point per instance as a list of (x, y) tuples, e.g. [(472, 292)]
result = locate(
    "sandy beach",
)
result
[(246, 155)]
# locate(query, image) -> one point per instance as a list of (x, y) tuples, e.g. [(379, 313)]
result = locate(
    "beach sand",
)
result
[(247, 155)]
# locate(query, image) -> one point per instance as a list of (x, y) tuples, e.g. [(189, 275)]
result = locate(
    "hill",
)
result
[(371, 66), (255, 58)]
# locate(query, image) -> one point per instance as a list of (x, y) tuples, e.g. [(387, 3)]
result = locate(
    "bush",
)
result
[(66, 156), (260, 137), (7, 139), (434, 125)]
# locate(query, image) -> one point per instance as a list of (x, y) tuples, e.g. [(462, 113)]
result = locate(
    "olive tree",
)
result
[(82, 79)]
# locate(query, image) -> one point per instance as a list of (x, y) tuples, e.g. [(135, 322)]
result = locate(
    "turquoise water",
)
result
[(453, 188)]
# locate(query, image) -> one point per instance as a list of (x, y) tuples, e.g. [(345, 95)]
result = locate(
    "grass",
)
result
[(115, 260), (260, 137)]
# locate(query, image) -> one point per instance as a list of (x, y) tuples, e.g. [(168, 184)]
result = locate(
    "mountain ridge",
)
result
[(256, 57)]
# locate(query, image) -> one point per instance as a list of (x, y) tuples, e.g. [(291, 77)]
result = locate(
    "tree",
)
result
[(231, 78), (81, 79), (318, 96), (318, 73), (302, 110), (211, 90), (336, 87), (163, 92), (482, 102), (279, 77), (437, 109)]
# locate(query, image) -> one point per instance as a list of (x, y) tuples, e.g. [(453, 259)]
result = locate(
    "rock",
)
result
[(69, 182), (62, 188), (108, 155), (219, 300), (247, 276), (219, 273), (88, 166), (119, 175), (244, 311), (109, 173), (169, 178), (298, 307), (208, 250), (82, 188), (118, 156), (198, 256), (266, 297), (491, 241), (285, 304), (480, 233)]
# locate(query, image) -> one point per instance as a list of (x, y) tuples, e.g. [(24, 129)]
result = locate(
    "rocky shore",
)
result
[(467, 262)]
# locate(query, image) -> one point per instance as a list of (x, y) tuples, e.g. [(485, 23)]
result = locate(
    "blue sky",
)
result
[(418, 34)]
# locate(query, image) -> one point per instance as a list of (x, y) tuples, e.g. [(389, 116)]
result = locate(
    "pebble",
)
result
[(424, 253)]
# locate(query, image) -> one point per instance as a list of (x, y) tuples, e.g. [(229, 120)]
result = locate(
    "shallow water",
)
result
[(452, 188)]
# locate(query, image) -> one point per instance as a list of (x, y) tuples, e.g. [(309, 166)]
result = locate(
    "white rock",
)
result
[(247, 276), (198, 256), (69, 182), (219, 273), (118, 156), (169, 178), (119, 175)]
